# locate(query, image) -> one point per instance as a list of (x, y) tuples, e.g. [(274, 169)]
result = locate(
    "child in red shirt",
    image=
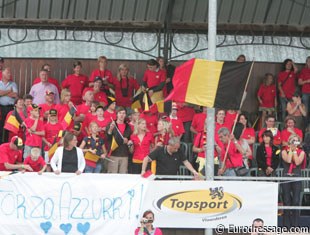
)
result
[(36, 161)]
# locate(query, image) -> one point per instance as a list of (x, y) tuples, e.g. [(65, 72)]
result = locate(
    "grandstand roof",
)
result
[(279, 17)]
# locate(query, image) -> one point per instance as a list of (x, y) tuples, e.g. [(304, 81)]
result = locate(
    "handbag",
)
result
[(240, 171)]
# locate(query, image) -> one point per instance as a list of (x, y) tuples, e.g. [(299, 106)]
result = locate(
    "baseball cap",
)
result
[(48, 92), (18, 142), (98, 79), (33, 107), (53, 112), (111, 100), (77, 126)]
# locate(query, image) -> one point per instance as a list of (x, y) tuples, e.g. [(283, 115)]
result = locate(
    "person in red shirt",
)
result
[(286, 83), (164, 133), (270, 125), (290, 130), (99, 95), (298, 110), (76, 83), (34, 130), (230, 118), (134, 116), (47, 106), (176, 122), (154, 80), (36, 161), (142, 142), (186, 113), (47, 67), (110, 113), (104, 73), (234, 156), (124, 86), (304, 81), (266, 96), (11, 155), (52, 129), (151, 118), (198, 121)]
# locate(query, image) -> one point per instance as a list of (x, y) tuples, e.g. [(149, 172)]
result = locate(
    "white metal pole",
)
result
[(209, 166)]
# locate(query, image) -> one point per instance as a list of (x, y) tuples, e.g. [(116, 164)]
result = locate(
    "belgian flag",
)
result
[(13, 122), (68, 118), (212, 84)]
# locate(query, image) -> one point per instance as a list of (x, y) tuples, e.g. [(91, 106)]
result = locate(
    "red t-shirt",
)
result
[(177, 126), (230, 119), (269, 155), (276, 138), (305, 75), (141, 148), (9, 155), (285, 134), (101, 97), (154, 78), (131, 84), (185, 113), (82, 109), (76, 85), (267, 95), (121, 127), (45, 108), (199, 142), (51, 133), (151, 122), (50, 80), (199, 121), (235, 157), (104, 74), (33, 139), (35, 165), (289, 85), (109, 116)]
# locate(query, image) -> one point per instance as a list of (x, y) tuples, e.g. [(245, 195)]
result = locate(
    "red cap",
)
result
[(86, 90)]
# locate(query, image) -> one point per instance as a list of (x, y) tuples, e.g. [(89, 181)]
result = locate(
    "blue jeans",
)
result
[(229, 172), (283, 107), (97, 169)]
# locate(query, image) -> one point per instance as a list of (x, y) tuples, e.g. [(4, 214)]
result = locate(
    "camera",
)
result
[(144, 221)]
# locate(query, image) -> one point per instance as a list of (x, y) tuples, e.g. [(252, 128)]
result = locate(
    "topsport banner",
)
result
[(68, 204), (208, 204)]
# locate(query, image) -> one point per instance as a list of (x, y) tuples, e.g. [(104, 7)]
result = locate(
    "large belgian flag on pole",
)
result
[(211, 84)]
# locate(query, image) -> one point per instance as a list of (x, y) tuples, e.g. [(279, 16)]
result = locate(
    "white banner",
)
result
[(112, 204), (205, 204), (69, 204)]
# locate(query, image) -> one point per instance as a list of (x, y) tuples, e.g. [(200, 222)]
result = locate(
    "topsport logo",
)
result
[(210, 202)]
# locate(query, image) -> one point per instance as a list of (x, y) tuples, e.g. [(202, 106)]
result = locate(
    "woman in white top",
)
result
[(68, 158)]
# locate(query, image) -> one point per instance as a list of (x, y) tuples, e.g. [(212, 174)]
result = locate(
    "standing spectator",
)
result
[(38, 90), (147, 227), (50, 79), (267, 155), (164, 133), (199, 120), (151, 118), (76, 83), (34, 130), (292, 158), (93, 144), (124, 86), (168, 159), (65, 105), (176, 123), (110, 113), (142, 143), (154, 80), (286, 83), (99, 95), (304, 81), (186, 113), (104, 73), (47, 105), (8, 93), (267, 98), (134, 116), (1, 66), (120, 132), (11, 156), (297, 109), (68, 158)]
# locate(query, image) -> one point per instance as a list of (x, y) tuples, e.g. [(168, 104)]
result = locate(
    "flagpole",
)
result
[(209, 155)]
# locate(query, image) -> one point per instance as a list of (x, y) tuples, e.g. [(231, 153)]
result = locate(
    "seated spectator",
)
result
[(35, 161), (147, 227), (289, 130), (267, 155), (93, 145), (270, 125), (47, 105), (38, 90), (110, 113), (68, 158), (266, 96), (297, 109), (168, 159), (76, 83)]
